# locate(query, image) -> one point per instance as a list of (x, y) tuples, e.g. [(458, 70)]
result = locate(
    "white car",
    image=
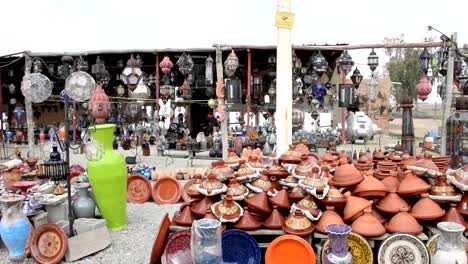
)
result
[(360, 127)]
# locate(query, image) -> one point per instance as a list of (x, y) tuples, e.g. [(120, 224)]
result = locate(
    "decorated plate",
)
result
[(360, 249), (160, 240), (403, 248), (240, 247), (178, 248), (185, 196), (167, 191), (138, 189), (48, 244), (290, 249), (432, 244)]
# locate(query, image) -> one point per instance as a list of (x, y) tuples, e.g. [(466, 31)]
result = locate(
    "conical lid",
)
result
[(346, 175), (391, 203), (309, 204), (426, 163), (453, 215), (277, 170), (391, 182), (199, 208), (426, 209), (377, 215), (291, 156), (275, 220), (412, 185), (334, 197), (297, 194), (185, 217), (354, 206), (367, 225), (329, 217), (328, 157), (304, 167), (259, 203), (370, 187), (281, 199), (247, 222), (209, 215), (462, 206), (403, 222)]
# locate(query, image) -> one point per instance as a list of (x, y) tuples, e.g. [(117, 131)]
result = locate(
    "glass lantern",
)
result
[(231, 64), (131, 74), (356, 78), (345, 62), (425, 59), (373, 60), (346, 95), (320, 64), (185, 64), (209, 70), (372, 89), (36, 87)]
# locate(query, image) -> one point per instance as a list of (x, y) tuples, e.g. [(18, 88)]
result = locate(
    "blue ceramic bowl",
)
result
[(240, 248)]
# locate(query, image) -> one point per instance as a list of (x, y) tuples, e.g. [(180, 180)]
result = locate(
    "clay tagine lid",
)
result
[(354, 206), (232, 160), (426, 163), (453, 215), (289, 181), (277, 170), (346, 175), (427, 209), (314, 181), (222, 171), (304, 168), (462, 206), (259, 203), (329, 217), (275, 220), (247, 222), (443, 188), (328, 157), (227, 210), (209, 215), (297, 194), (377, 215), (211, 186), (191, 190), (412, 185), (237, 190), (281, 199), (391, 203), (391, 182), (308, 205), (262, 184), (378, 155), (297, 224), (184, 217), (256, 164), (199, 208), (403, 222), (370, 187), (334, 197), (367, 225), (386, 164), (291, 156), (245, 173)]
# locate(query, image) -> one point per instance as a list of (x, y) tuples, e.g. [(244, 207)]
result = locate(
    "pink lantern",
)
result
[(42, 137), (99, 105), (166, 65), (423, 88), (19, 135)]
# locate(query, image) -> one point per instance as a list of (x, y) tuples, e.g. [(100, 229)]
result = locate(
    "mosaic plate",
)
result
[(403, 248)]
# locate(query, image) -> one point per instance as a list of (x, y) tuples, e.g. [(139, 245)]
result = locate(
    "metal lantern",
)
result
[(233, 89), (345, 95), (66, 68), (139, 61), (37, 66), (141, 92), (99, 105), (425, 59), (320, 64), (12, 88), (345, 62), (99, 70), (231, 64), (185, 64), (314, 77), (186, 92), (372, 89), (209, 70), (314, 115), (423, 88), (166, 65), (167, 90), (82, 64), (80, 86), (373, 60), (120, 90), (296, 62), (272, 60), (131, 74), (36, 87), (356, 78)]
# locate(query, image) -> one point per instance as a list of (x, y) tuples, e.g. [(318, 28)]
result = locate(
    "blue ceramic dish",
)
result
[(240, 248)]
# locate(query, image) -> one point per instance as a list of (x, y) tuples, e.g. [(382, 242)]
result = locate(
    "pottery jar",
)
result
[(442, 188), (84, 206), (297, 224), (450, 245), (339, 252), (462, 206)]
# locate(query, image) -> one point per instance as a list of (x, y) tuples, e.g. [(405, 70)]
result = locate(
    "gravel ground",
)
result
[(132, 245)]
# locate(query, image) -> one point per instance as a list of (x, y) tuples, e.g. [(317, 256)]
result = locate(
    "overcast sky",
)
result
[(60, 25)]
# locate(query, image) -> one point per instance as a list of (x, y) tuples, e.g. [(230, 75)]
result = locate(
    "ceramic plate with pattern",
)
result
[(178, 248), (360, 249), (48, 244), (240, 247), (432, 244), (403, 248)]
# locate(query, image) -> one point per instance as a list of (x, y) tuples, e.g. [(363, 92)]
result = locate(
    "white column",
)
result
[(283, 84)]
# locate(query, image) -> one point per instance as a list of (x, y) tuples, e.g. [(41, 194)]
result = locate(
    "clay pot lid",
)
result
[(346, 175), (190, 191), (184, 217), (304, 167), (256, 164), (443, 188), (277, 170), (222, 171), (354, 206), (48, 244), (453, 215), (199, 208), (236, 189), (328, 157), (334, 197), (138, 189), (160, 242), (426, 209), (427, 163), (297, 224), (281, 199), (412, 185), (367, 225), (263, 183), (232, 159), (386, 163), (247, 222), (227, 210), (462, 206), (245, 170), (391, 182), (371, 184), (409, 161), (403, 222), (378, 154), (290, 179), (396, 159), (379, 217), (302, 148), (329, 217), (391, 203), (275, 220), (297, 193), (211, 183), (291, 156), (259, 203), (384, 173), (166, 191), (308, 204)]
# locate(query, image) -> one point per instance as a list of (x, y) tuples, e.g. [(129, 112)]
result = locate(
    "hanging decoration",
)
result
[(320, 64), (131, 74), (20, 115), (36, 87), (166, 65), (319, 90), (120, 90), (372, 88), (233, 88), (80, 86), (345, 95), (209, 70), (356, 78), (423, 88), (99, 105), (12, 88), (186, 93), (373, 61), (82, 64), (64, 96), (185, 64), (231, 64), (99, 70), (141, 92), (345, 62)]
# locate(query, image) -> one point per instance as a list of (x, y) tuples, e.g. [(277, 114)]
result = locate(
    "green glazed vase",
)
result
[(108, 178)]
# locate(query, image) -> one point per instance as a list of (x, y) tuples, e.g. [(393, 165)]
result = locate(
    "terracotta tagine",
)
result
[(426, 209), (232, 159), (297, 224), (245, 173), (303, 169), (377, 156), (227, 210), (370, 187), (303, 149), (387, 164), (377, 215), (412, 185), (391, 182), (256, 164), (259, 203), (277, 170), (297, 194), (291, 156), (330, 160), (275, 220), (364, 164), (426, 163), (346, 175), (334, 197), (221, 171), (209, 215), (289, 181), (329, 217), (391, 203), (453, 215), (367, 225), (462, 206), (199, 208), (281, 199), (262, 184), (403, 222), (407, 161), (398, 160), (443, 188), (314, 182), (247, 222), (184, 217), (237, 190), (384, 173), (308, 207), (191, 191), (354, 206), (211, 186)]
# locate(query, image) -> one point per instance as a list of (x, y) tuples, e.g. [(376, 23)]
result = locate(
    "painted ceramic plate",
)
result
[(290, 249), (185, 196), (167, 191), (431, 244), (360, 249), (138, 189), (48, 244), (160, 241), (403, 248), (178, 248), (240, 247)]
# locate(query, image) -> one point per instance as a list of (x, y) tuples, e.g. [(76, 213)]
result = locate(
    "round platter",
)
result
[(178, 248), (167, 191), (160, 241), (240, 247), (360, 249), (290, 249), (185, 196), (431, 244), (403, 248), (138, 189), (48, 244)]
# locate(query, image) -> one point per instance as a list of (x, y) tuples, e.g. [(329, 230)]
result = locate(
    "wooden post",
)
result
[(221, 104), (249, 87), (28, 106)]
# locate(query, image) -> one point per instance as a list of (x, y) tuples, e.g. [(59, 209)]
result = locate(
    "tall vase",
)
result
[(84, 206), (14, 226), (108, 178), (450, 246), (339, 251)]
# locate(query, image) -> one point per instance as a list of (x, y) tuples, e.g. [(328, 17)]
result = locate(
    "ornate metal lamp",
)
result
[(166, 65), (425, 59), (99, 105), (36, 87), (231, 64), (185, 64), (131, 74), (423, 88), (345, 95), (99, 71), (373, 61), (345, 62), (209, 70), (356, 78), (372, 89), (320, 64)]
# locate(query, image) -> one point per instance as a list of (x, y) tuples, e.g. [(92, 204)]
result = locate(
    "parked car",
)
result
[(360, 127)]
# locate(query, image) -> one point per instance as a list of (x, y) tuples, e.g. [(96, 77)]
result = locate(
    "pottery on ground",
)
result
[(275, 220), (184, 217), (346, 175), (426, 209), (367, 225), (84, 206), (412, 185), (443, 188), (354, 206), (247, 222), (281, 199), (339, 252), (403, 222), (329, 217), (370, 187), (297, 224), (227, 210), (259, 203), (453, 215), (334, 197), (391, 203)]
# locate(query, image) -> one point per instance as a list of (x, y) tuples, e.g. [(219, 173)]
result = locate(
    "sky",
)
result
[(61, 25)]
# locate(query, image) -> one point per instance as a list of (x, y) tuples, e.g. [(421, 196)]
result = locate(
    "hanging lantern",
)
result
[(62, 132), (139, 60), (296, 63), (345, 62), (212, 103), (166, 65), (82, 64), (64, 96), (319, 90), (36, 87), (167, 90), (373, 60), (185, 64), (12, 88), (372, 89), (356, 78), (423, 88), (233, 89), (80, 86), (231, 64), (320, 64), (345, 95), (314, 77), (141, 92), (131, 74), (272, 61), (20, 114), (314, 115), (186, 92), (37, 66), (257, 85), (209, 70), (425, 59), (120, 90), (99, 105)]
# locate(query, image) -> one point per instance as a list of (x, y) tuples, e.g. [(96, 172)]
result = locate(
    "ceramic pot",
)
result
[(275, 220), (339, 251), (368, 225), (184, 217), (199, 208), (303, 169), (392, 203), (354, 206), (297, 194), (281, 199), (308, 207), (237, 190), (245, 173), (426, 209), (412, 185), (346, 175), (297, 224), (10, 177), (262, 184), (450, 245), (84, 206), (453, 215), (291, 156), (277, 170), (259, 203), (108, 178), (370, 187), (227, 210), (14, 226), (211, 186), (329, 217), (426, 163), (391, 182), (443, 188), (403, 222), (334, 197), (387, 164), (462, 206)]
